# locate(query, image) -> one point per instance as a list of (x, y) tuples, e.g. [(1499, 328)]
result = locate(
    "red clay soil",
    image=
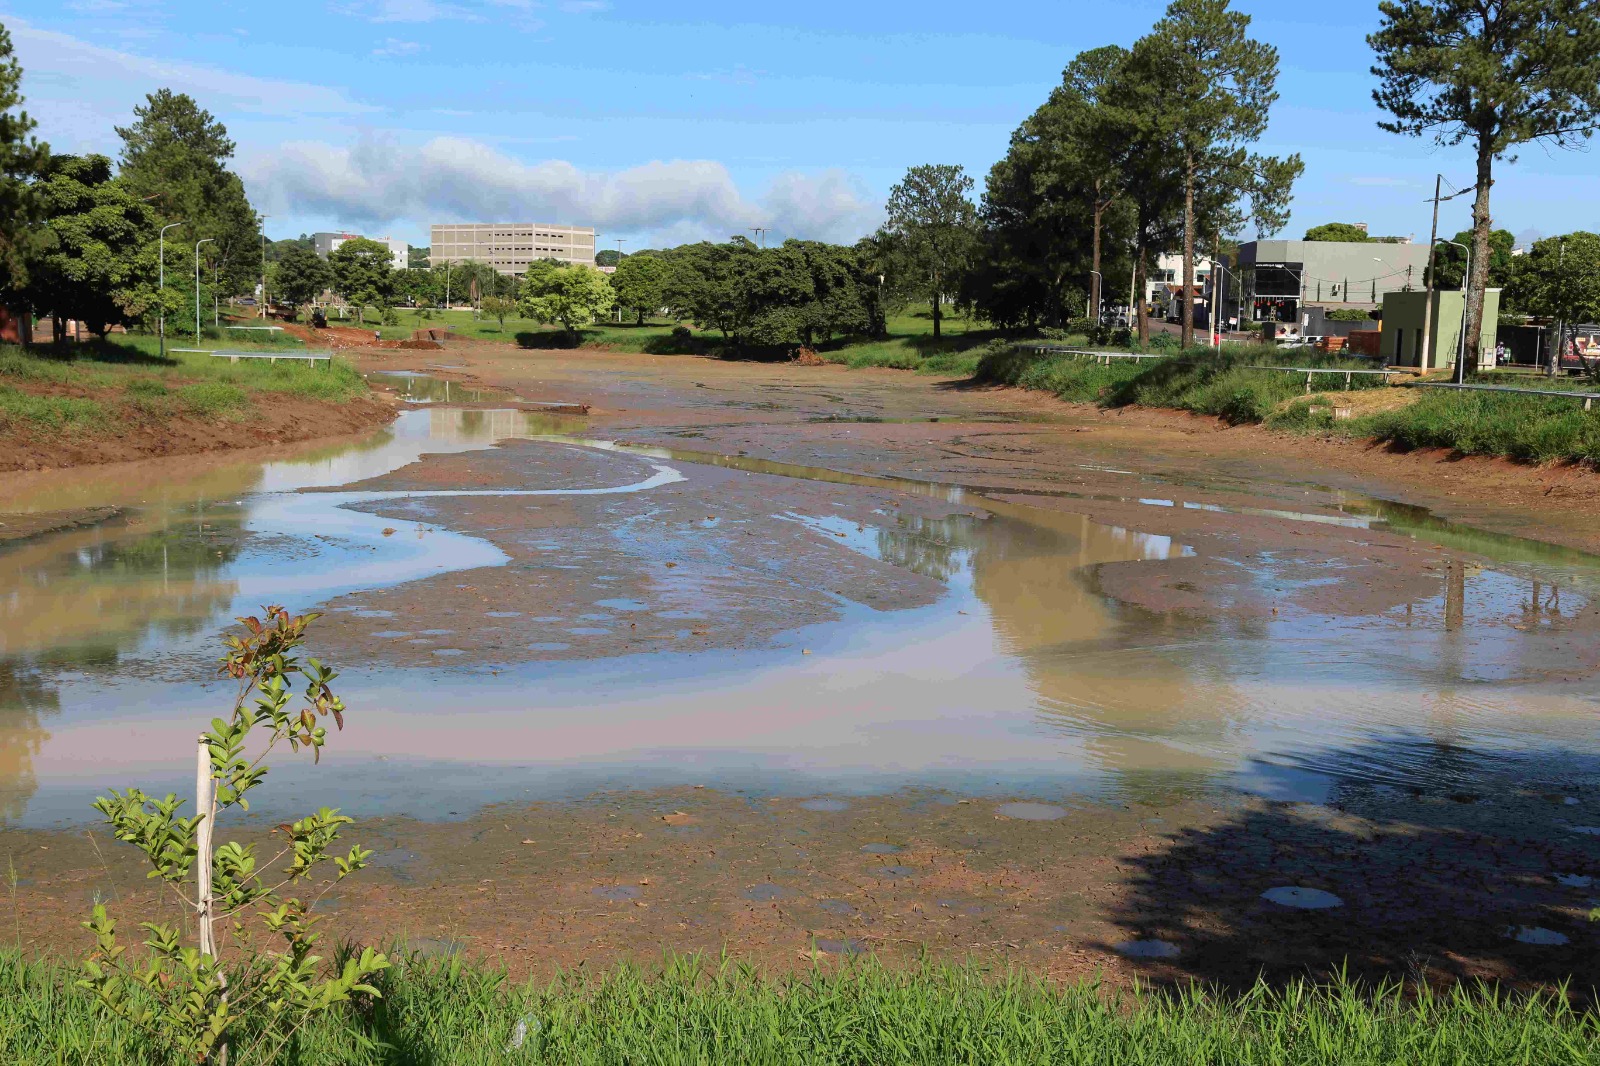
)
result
[(275, 418), (341, 338)]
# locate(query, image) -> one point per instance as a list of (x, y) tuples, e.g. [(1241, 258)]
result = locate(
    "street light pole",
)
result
[(161, 284), (1461, 341), (620, 242), (197, 245), (264, 269)]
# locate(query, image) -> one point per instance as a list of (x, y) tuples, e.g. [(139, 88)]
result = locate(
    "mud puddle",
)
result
[(993, 661)]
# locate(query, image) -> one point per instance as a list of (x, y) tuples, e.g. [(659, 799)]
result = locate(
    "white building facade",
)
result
[(510, 246), (399, 251)]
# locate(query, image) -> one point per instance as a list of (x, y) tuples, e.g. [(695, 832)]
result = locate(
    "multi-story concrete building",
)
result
[(510, 246), (325, 243), (1282, 278)]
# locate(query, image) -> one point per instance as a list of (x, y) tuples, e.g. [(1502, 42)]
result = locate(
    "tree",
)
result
[(499, 308), (301, 275), (640, 283), (417, 258), (608, 257), (175, 153), (1217, 86), (188, 998), (99, 264), (1560, 277), (363, 274), (1450, 262), (832, 302), (569, 293), (1494, 74), (1338, 231), (931, 225), (1050, 203), (22, 159)]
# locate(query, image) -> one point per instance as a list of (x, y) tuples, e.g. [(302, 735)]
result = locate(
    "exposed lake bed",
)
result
[(552, 629)]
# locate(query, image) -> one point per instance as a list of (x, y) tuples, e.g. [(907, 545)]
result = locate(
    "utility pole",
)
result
[(1218, 273), (1561, 331), (761, 234), (1424, 356)]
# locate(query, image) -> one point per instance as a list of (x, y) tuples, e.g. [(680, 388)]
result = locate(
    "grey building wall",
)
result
[(1342, 272)]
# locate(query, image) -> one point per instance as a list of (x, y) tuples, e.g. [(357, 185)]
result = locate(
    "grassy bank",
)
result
[(1530, 428), (446, 1012), (100, 387)]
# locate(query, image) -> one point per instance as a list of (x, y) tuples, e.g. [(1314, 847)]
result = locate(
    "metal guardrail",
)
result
[(1588, 398), (1103, 358), (1308, 371), (272, 357)]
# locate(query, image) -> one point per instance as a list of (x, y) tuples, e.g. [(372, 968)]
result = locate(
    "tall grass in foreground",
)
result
[(443, 1011)]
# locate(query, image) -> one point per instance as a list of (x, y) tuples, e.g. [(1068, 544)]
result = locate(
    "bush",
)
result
[(681, 341), (1165, 342), (548, 338), (391, 317)]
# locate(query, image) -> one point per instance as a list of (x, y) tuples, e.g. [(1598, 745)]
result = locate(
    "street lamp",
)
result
[(1089, 308), (620, 242), (197, 245), (1461, 342), (161, 285), (264, 268)]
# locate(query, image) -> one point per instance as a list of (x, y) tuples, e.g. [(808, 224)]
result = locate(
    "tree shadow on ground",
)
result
[(100, 351), (1438, 871)]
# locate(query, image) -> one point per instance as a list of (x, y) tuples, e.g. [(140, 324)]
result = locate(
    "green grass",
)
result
[(1528, 428), (126, 377), (862, 1015), (909, 345)]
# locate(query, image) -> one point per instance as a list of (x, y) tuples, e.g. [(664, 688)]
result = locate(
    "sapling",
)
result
[(187, 997)]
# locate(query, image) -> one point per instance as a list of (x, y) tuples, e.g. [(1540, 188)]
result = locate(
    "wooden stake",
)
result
[(202, 804)]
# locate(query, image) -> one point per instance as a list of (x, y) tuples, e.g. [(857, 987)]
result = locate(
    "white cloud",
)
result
[(423, 11), (78, 90), (393, 47), (376, 183)]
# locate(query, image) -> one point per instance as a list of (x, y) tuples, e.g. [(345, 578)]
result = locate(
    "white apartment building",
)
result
[(1165, 279), (399, 251), (510, 246)]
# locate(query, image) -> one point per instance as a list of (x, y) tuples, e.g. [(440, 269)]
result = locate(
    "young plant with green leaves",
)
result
[(187, 997)]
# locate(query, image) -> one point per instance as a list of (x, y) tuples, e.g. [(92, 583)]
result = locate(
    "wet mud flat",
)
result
[(954, 684), (1423, 887)]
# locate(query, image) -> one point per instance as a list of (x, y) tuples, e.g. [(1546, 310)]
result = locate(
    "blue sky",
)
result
[(660, 122)]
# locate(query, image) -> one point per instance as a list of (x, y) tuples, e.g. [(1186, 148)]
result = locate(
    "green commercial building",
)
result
[(1402, 328)]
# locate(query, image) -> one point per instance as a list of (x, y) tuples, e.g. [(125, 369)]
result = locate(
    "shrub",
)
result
[(391, 316), (185, 998), (681, 341)]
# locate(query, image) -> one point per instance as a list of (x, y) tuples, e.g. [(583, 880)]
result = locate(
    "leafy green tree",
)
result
[(1450, 262), (22, 159), (640, 283), (300, 275), (834, 302), (746, 292), (175, 153), (1497, 74), (188, 998), (1051, 203), (931, 227), (1337, 231), (417, 258), (499, 308), (99, 262), (1560, 277), (363, 272), (608, 257), (1215, 86), (569, 293)]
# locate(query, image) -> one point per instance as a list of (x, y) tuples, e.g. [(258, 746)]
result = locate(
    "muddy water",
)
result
[(1021, 678)]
